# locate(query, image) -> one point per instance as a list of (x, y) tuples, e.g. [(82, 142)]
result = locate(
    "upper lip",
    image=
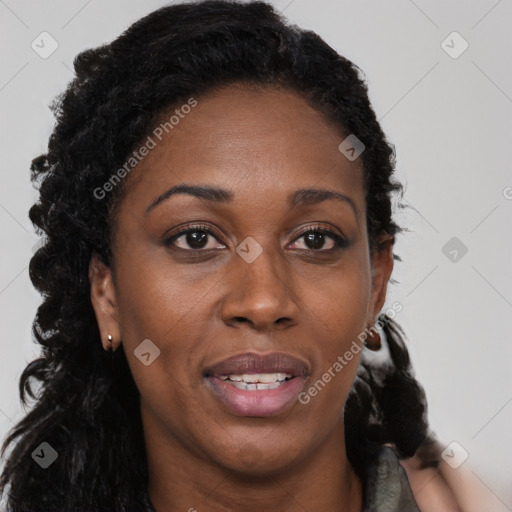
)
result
[(253, 362)]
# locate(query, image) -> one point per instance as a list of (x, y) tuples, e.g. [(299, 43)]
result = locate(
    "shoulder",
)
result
[(430, 489), (436, 486)]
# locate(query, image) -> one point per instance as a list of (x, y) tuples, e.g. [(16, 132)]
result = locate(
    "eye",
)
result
[(315, 238), (194, 238)]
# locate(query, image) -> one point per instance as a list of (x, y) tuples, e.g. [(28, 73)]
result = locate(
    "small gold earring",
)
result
[(109, 337)]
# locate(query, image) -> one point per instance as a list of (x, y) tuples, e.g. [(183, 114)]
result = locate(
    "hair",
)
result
[(87, 406)]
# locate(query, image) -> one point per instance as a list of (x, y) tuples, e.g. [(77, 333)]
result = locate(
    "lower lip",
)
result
[(265, 402)]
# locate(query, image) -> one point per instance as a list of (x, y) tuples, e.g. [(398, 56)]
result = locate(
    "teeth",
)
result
[(255, 387), (255, 378)]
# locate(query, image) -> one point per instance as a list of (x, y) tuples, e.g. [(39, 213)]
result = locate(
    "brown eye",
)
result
[(315, 239), (192, 238)]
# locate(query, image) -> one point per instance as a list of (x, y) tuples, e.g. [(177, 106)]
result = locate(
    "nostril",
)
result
[(242, 320)]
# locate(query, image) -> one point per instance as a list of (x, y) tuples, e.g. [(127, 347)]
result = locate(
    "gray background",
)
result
[(451, 122)]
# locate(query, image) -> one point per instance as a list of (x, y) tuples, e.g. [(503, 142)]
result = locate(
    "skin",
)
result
[(261, 145), (442, 487)]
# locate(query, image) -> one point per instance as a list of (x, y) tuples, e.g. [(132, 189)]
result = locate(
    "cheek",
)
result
[(338, 313), (339, 301), (155, 305), (155, 298)]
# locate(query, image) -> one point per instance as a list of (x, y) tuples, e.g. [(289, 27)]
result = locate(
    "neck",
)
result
[(183, 480)]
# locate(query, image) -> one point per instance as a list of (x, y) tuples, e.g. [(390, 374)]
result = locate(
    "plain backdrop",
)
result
[(448, 113)]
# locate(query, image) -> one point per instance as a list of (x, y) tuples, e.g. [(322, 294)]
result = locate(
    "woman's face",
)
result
[(257, 284)]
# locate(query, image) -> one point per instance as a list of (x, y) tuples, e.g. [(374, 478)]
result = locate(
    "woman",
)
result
[(216, 205)]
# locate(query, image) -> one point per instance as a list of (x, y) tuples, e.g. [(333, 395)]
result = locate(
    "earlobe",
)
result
[(104, 303)]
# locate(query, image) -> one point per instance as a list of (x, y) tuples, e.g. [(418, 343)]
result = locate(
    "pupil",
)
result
[(316, 239), (197, 239)]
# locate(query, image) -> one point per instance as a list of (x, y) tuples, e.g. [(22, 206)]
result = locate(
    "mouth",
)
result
[(253, 384)]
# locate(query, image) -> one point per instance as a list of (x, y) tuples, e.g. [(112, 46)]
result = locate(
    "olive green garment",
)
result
[(387, 487)]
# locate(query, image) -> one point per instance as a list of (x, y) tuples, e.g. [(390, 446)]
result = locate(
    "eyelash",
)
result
[(340, 242)]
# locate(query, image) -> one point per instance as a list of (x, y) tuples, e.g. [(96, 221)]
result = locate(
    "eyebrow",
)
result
[(298, 198)]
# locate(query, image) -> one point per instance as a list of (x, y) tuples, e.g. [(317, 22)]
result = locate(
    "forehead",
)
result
[(254, 141)]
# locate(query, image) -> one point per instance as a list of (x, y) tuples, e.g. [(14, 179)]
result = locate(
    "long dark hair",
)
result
[(86, 406)]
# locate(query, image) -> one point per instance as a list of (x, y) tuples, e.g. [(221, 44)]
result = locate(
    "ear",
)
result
[(104, 302), (382, 266)]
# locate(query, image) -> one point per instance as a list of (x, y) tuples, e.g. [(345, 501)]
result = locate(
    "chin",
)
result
[(258, 462)]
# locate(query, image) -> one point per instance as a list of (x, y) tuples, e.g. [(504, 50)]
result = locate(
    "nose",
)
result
[(261, 295)]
